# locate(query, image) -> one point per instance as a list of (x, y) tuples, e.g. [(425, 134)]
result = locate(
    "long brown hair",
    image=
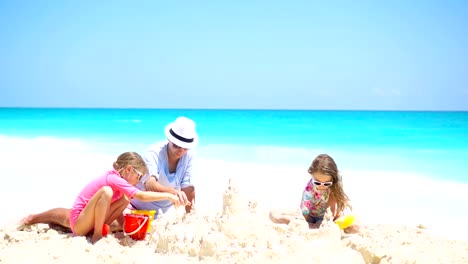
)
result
[(326, 165)]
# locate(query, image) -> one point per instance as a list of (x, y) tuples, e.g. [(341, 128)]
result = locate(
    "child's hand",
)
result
[(351, 229), (174, 200)]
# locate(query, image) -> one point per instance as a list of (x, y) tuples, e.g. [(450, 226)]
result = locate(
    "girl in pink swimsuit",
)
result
[(103, 199)]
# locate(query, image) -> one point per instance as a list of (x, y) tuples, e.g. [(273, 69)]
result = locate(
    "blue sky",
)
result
[(389, 55)]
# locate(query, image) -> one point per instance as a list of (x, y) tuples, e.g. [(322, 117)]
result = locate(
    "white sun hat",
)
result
[(182, 133)]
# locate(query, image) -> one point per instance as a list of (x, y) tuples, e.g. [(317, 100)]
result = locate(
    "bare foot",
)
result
[(28, 220)]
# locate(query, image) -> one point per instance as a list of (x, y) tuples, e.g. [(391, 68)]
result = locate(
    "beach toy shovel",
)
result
[(136, 225), (345, 221)]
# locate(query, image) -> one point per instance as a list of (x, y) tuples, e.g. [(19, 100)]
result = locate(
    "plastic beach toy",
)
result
[(105, 230), (345, 221), (150, 213), (136, 225)]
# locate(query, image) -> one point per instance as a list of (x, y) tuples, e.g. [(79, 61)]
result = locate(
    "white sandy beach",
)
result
[(420, 221), (237, 234)]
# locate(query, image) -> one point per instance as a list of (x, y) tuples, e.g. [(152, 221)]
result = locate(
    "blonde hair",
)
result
[(130, 158), (326, 165)]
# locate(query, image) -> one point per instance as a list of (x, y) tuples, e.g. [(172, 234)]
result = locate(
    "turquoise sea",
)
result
[(433, 143), (397, 166)]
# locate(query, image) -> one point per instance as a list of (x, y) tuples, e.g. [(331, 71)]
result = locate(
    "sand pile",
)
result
[(239, 233), (404, 244)]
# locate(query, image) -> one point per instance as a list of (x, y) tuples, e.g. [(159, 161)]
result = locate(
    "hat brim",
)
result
[(178, 142)]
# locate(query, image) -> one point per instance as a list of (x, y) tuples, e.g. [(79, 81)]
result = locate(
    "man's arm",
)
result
[(153, 185)]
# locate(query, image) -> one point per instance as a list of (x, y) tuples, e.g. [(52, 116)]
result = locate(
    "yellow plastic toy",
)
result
[(150, 213), (345, 221)]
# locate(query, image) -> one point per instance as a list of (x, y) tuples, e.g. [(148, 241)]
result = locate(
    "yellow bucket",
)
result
[(149, 213)]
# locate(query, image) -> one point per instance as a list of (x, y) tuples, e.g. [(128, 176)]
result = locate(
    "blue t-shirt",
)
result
[(156, 160)]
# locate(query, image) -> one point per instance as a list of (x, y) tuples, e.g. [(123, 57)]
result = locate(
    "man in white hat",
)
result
[(170, 167), (169, 170)]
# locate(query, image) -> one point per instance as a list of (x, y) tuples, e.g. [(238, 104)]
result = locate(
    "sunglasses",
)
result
[(319, 183), (140, 175)]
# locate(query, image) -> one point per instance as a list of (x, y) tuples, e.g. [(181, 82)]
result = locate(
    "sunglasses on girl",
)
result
[(319, 183), (140, 175)]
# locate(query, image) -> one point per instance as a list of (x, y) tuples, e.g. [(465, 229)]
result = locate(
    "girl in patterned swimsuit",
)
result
[(324, 190)]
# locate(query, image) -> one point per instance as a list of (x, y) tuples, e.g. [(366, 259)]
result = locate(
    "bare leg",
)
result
[(95, 214), (116, 210), (57, 216), (281, 217), (117, 225)]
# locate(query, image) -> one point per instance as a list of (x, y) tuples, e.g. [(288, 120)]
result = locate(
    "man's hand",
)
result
[(153, 185), (183, 198)]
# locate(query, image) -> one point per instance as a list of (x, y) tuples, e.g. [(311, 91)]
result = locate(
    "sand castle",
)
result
[(239, 233)]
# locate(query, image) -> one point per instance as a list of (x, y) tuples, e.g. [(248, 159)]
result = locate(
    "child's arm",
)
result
[(353, 228), (156, 196)]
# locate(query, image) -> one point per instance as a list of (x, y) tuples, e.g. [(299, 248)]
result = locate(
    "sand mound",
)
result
[(240, 233)]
